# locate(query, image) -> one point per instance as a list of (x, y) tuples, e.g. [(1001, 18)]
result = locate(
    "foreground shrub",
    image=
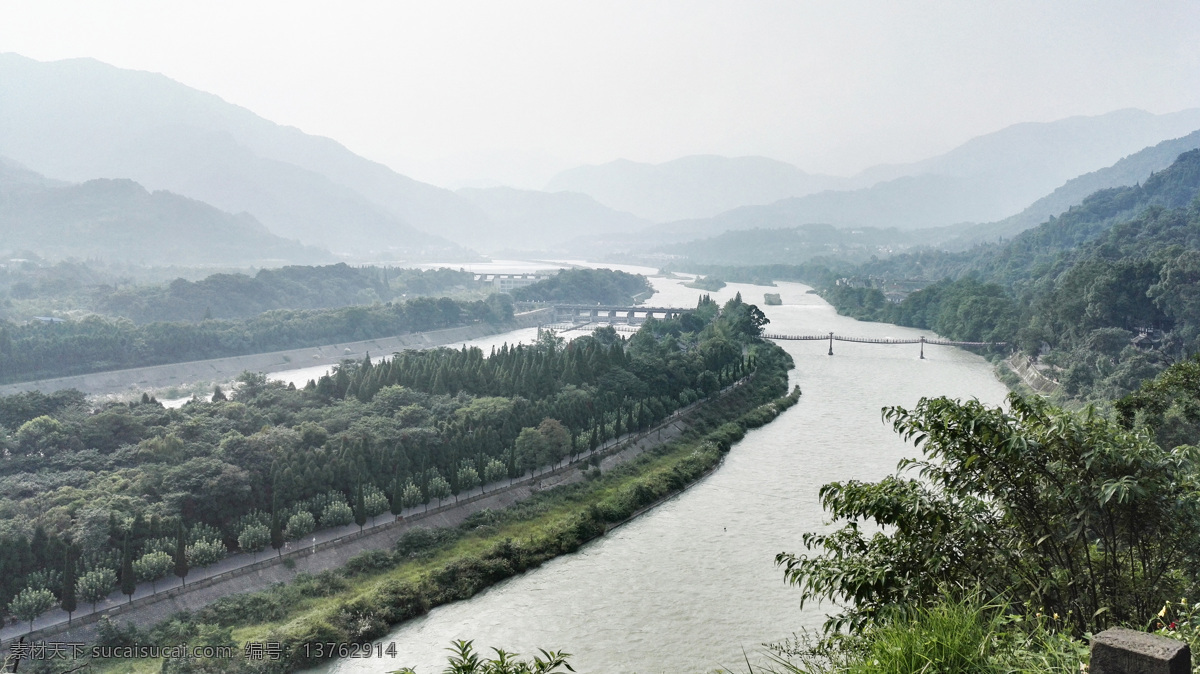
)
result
[(1066, 513), (464, 660)]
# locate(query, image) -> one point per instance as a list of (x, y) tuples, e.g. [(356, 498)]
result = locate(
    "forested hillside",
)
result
[(1014, 261), (1113, 296), (86, 491), (34, 287), (241, 296), (1130, 170), (44, 349)]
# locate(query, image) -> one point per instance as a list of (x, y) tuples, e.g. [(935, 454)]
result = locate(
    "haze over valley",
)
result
[(82, 120), (539, 337)]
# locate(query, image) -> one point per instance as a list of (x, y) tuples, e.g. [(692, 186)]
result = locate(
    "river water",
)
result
[(691, 585)]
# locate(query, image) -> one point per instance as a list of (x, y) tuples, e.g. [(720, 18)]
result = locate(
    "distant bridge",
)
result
[(831, 337), (597, 313)]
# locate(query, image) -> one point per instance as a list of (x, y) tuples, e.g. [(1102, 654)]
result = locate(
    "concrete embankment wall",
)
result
[(1024, 368), (225, 369)]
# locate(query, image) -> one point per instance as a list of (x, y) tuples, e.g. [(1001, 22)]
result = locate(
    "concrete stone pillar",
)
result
[(1122, 651)]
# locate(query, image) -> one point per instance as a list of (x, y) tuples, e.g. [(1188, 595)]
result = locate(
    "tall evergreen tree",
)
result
[(37, 547), (397, 496), (360, 507), (128, 580), (181, 562), (69, 601), (276, 533)]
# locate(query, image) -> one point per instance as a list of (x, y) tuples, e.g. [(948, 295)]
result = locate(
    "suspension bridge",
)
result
[(831, 338), (571, 318)]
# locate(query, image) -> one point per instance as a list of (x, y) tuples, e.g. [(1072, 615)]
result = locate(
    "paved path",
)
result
[(327, 548)]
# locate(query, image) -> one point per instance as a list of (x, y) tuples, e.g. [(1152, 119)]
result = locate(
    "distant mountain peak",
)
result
[(693, 186), (529, 220), (79, 119), (119, 219)]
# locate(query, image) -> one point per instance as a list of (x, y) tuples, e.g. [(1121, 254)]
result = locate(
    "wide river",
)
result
[(691, 585)]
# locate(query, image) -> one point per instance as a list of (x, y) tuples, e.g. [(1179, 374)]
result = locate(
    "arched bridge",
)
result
[(831, 337)]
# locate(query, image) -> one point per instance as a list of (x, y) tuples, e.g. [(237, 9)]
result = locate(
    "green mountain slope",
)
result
[(986, 179), (1111, 288), (1035, 250), (121, 220), (1130, 170)]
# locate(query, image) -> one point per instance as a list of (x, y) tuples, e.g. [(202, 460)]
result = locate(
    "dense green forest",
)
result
[(587, 286), (240, 296), (42, 349), (1104, 295), (89, 492), (34, 287)]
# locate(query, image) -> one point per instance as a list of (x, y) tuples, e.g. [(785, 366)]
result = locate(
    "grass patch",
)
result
[(949, 637)]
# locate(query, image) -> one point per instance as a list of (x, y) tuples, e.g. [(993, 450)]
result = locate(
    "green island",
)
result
[(587, 286), (709, 283)]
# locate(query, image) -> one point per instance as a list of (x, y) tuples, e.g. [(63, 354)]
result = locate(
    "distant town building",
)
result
[(507, 282)]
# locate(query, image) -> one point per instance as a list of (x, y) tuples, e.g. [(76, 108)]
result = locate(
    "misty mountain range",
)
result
[(1130, 170), (985, 179), (791, 245), (117, 219), (697, 186), (81, 120)]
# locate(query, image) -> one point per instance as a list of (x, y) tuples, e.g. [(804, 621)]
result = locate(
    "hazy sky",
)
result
[(455, 92)]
